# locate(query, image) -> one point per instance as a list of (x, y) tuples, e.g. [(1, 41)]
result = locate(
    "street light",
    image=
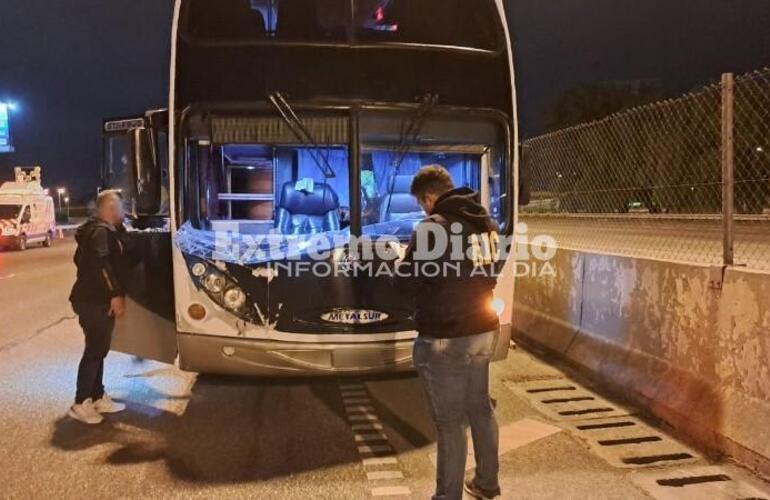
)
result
[(61, 191), (67, 202)]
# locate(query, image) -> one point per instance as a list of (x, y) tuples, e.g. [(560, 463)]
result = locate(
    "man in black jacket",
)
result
[(98, 298), (458, 328)]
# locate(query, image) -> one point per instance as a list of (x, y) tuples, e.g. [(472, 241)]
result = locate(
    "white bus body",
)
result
[(312, 326)]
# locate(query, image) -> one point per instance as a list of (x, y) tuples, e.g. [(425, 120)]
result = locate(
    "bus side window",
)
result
[(27, 216)]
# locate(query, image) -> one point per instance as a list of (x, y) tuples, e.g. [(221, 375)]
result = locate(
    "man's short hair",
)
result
[(432, 179), (107, 195)]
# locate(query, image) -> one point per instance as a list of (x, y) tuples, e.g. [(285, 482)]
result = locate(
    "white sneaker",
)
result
[(107, 405), (86, 413)]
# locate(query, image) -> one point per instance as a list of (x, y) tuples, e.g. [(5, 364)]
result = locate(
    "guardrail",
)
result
[(658, 333)]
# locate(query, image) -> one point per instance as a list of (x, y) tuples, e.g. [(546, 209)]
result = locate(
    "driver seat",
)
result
[(400, 204), (304, 212)]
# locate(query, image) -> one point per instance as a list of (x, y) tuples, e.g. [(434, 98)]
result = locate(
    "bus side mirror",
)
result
[(26, 218), (145, 173)]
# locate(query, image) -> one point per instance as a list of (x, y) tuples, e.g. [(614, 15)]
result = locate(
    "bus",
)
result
[(116, 169), (293, 131)]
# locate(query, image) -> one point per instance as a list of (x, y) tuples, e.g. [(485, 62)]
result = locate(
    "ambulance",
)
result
[(27, 213)]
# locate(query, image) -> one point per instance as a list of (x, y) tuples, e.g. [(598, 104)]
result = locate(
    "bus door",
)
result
[(148, 329)]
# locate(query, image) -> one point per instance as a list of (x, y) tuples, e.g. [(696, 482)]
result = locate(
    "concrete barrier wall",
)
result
[(697, 357)]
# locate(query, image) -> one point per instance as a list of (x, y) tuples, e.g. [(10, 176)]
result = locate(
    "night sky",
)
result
[(71, 63)]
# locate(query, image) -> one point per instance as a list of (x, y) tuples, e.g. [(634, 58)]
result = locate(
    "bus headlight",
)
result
[(498, 305), (214, 282), (234, 298), (222, 289), (198, 269)]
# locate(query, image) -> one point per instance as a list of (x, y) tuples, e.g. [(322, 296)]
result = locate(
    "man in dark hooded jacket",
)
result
[(98, 298), (454, 258)]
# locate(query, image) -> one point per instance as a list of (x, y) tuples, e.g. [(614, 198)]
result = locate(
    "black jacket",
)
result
[(457, 303), (102, 264)]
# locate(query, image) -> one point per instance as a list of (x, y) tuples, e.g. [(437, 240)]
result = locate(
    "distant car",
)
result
[(642, 207)]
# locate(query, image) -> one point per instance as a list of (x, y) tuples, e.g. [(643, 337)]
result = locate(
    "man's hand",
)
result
[(117, 307)]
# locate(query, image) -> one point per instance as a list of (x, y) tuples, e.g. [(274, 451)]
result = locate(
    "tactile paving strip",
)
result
[(610, 430), (700, 483), (564, 400), (630, 443)]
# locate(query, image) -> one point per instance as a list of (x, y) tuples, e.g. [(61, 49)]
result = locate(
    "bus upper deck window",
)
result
[(265, 20), (459, 23)]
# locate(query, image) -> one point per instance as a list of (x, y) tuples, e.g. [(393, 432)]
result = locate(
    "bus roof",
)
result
[(234, 51)]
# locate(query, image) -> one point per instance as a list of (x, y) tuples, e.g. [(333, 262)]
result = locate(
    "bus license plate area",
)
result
[(370, 358)]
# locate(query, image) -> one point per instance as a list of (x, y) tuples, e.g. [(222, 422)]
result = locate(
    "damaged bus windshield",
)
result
[(473, 150), (256, 178)]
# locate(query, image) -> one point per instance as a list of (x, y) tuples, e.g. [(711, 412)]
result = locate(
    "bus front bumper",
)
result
[(238, 356), (251, 357)]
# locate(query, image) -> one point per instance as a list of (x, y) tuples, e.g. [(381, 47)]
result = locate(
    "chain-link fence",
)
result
[(657, 181), (752, 170)]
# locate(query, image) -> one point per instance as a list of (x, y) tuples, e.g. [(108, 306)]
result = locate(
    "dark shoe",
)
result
[(480, 494)]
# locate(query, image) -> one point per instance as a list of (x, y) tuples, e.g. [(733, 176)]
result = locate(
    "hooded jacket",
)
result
[(101, 264), (458, 301)]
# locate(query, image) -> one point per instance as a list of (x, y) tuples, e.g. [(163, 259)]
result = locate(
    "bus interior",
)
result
[(300, 190)]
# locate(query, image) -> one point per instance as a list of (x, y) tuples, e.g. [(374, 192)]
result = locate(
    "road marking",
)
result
[(7, 277), (356, 401), (372, 461), (359, 409), (370, 437), (362, 418), (391, 491), (367, 427), (382, 475), (374, 448)]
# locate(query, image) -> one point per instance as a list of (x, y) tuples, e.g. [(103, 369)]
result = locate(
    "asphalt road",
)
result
[(194, 436), (33, 290)]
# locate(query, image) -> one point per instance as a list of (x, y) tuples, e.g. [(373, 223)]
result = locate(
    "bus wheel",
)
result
[(48, 242), (22, 244)]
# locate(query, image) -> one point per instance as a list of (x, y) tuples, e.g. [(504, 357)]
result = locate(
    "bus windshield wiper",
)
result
[(411, 128), (301, 132), (409, 135)]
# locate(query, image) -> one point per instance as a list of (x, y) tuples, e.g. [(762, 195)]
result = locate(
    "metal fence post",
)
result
[(728, 167)]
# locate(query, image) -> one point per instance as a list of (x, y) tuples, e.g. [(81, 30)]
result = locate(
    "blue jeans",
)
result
[(455, 374)]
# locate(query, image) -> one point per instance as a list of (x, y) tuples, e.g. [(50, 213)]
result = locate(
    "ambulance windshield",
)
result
[(9, 211)]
